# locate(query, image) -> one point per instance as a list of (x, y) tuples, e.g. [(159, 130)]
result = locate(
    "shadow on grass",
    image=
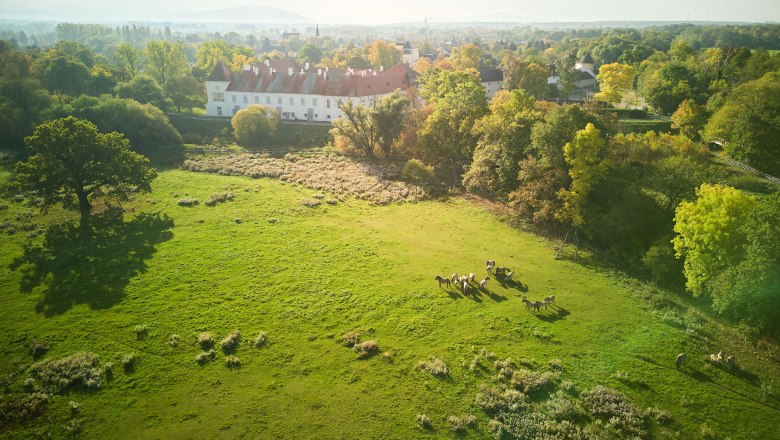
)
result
[(552, 314), (92, 262)]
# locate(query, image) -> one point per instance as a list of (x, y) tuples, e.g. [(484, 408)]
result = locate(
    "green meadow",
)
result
[(264, 262)]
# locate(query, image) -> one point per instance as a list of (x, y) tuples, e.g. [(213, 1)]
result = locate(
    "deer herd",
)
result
[(464, 283)]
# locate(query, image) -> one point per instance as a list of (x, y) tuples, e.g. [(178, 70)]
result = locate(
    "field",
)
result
[(264, 262)]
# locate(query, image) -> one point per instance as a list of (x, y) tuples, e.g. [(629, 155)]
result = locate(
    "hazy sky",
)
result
[(367, 11)]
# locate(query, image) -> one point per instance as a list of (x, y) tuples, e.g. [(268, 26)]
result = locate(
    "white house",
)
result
[(304, 93)]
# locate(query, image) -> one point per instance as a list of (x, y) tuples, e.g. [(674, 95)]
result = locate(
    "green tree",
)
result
[(70, 157), (356, 128), (466, 56), (144, 125), (164, 61), (129, 60), (185, 92), (144, 89), (665, 85), (66, 76), (709, 235), (585, 157), (388, 115), (458, 100), (23, 104), (254, 125), (690, 119), (310, 53), (749, 122), (530, 77), (615, 80), (504, 138)]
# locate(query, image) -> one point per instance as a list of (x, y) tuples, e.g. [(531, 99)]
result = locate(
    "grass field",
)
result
[(263, 262)]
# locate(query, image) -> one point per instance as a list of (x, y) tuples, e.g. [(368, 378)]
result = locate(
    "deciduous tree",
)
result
[(71, 158), (254, 125)]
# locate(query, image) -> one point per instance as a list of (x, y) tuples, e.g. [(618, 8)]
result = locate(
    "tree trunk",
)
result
[(84, 206)]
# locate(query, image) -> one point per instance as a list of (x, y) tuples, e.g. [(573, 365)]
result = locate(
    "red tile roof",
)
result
[(276, 78)]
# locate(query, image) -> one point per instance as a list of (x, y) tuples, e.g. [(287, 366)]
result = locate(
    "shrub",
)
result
[(366, 349), (417, 172), (612, 406), (23, 408), (173, 341), (561, 408), (555, 364), (230, 341), (29, 385), (423, 421), (475, 363), (205, 356), (311, 203), (492, 399), (529, 381), (188, 201), (435, 366), (219, 198), (38, 349), (141, 331), (128, 361), (79, 369), (458, 424), (232, 361), (74, 407), (261, 339), (205, 340), (349, 339)]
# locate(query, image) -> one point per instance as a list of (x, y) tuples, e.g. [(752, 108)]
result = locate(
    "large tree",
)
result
[(254, 125), (615, 80), (585, 157), (71, 158), (164, 61), (708, 233), (383, 54), (530, 77), (749, 122)]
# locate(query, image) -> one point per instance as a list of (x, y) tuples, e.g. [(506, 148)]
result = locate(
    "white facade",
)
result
[(294, 107), (492, 87)]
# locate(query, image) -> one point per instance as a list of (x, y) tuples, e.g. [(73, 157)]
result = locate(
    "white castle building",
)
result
[(305, 93)]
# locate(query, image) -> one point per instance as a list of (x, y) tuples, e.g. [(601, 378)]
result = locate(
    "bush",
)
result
[(232, 361), (612, 406), (435, 366), (205, 356), (188, 201), (261, 339), (458, 424), (173, 341), (205, 340), (349, 339), (423, 421), (492, 399), (417, 172), (366, 349), (74, 408), (141, 331), (529, 381), (254, 126), (128, 361), (230, 341), (79, 369), (22, 408), (38, 349), (310, 202), (219, 198)]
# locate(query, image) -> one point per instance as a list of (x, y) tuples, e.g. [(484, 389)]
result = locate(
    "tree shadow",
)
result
[(696, 374), (91, 262)]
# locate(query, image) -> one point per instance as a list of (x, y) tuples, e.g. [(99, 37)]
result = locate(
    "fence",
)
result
[(749, 169)]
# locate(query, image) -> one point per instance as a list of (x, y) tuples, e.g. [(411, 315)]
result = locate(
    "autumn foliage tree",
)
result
[(614, 80)]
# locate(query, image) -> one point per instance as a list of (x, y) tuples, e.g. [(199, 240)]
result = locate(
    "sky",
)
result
[(376, 12)]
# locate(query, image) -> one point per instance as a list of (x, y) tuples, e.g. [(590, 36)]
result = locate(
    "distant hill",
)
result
[(245, 14)]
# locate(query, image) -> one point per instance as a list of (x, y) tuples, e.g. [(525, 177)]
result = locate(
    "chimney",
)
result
[(290, 71), (302, 71), (319, 72), (306, 65), (256, 70), (246, 67), (326, 68), (381, 68), (267, 63)]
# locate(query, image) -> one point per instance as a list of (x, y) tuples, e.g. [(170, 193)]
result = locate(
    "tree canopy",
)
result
[(254, 125), (71, 158)]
